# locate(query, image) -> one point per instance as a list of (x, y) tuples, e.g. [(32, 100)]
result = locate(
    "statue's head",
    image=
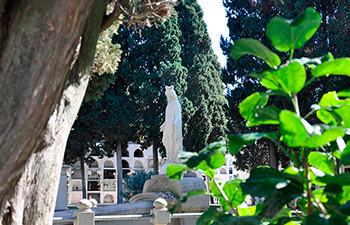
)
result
[(170, 93)]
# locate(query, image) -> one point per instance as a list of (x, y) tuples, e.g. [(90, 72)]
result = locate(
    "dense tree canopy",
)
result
[(247, 19), (205, 88)]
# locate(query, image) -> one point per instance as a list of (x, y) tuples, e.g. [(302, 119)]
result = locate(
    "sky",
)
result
[(215, 18)]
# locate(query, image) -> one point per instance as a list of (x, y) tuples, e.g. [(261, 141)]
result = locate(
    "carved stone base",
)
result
[(162, 186)]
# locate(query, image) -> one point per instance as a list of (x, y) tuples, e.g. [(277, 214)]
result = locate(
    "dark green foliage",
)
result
[(248, 19), (207, 121), (133, 183), (85, 136), (98, 85)]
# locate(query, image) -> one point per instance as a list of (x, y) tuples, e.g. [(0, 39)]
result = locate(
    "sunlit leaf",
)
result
[(339, 66), (253, 47), (246, 211), (327, 136), (293, 34), (292, 129), (334, 110), (175, 171), (234, 192), (213, 155), (321, 161), (289, 79)]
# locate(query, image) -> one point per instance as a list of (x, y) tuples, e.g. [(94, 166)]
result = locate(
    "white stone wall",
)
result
[(107, 192)]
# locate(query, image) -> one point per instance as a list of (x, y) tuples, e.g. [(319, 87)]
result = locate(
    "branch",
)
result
[(223, 194), (139, 12), (108, 20)]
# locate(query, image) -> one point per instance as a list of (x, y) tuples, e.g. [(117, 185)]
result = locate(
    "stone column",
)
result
[(62, 200), (161, 213), (84, 215)]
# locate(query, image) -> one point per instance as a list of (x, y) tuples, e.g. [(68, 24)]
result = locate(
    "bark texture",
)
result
[(155, 157), (41, 95), (42, 86)]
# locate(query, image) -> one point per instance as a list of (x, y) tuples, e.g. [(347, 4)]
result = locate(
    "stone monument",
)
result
[(160, 185)]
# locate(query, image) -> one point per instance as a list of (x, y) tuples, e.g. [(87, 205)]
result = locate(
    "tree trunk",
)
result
[(155, 157), (41, 97), (119, 172), (83, 180), (273, 156)]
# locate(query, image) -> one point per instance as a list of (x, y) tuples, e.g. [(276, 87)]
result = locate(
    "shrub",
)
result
[(316, 151)]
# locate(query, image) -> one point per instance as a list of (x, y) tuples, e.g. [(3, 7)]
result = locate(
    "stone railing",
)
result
[(159, 215)]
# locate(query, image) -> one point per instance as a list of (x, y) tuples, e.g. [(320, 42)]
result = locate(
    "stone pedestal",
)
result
[(62, 201), (162, 186)]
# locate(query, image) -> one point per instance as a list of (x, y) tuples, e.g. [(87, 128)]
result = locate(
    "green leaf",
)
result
[(289, 79), (292, 129), (345, 155), (237, 141), (225, 219), (329, 135), (327, 100), (315, 218), (175, 171), (321, 161), (249, 105), (345, 208), (314, 62), (320, 194), (334, 110), (234, 193), (267, 115), (340, 179), (339, 66), (283, 215), (337, 221), (212, 156), (246, 211), (344, 93), (345, 196), (288, 221), (273, 204), (208, 216), (344, 115), (253, 47), (263, 181), (286, 34)]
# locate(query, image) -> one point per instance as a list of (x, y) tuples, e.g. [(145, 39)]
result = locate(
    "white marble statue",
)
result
[(172, 128)]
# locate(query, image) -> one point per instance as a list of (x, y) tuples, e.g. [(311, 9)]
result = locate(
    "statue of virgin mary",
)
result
[(172, 128)]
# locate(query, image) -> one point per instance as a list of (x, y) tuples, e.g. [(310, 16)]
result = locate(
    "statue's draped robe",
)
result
[(172, 127), (172, 133)]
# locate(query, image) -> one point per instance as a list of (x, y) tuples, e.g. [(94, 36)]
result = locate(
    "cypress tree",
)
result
[(205, 88)]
